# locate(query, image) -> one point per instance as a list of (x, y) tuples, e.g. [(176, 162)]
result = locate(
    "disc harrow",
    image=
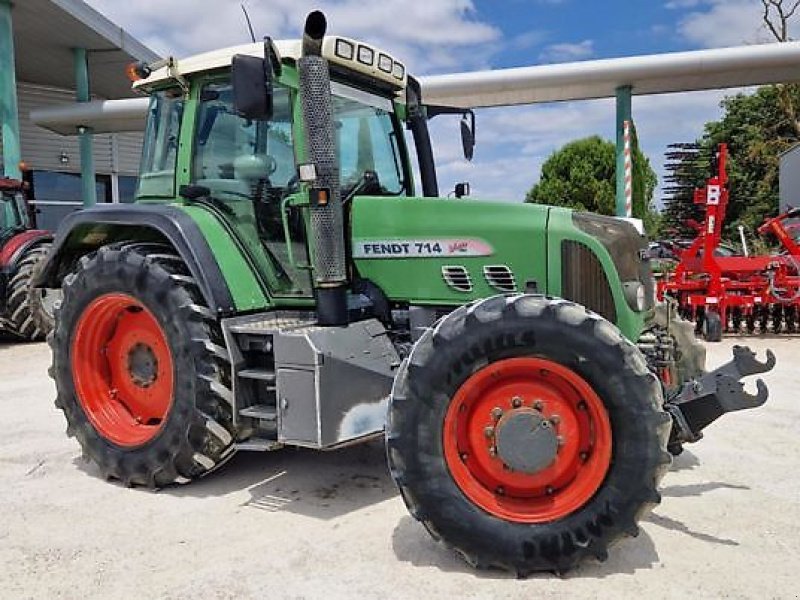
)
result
[(753, 294)]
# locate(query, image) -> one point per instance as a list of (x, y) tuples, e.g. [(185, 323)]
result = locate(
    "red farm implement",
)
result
[(720, 292)]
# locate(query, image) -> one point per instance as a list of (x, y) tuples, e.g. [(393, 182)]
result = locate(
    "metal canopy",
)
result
[(651, 74), (46, 31)]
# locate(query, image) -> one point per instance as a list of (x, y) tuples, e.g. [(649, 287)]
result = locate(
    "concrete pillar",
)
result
[(9, 115), (85, 133), (623, 114)]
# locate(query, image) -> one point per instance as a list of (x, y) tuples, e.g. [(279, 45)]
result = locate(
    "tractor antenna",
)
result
[(249, 23)]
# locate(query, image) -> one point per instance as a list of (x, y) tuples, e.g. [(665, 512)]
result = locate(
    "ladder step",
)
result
[(261, 374), (259, 445), (260, 411)]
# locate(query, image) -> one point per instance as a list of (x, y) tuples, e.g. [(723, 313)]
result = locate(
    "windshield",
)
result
[(366, 141)]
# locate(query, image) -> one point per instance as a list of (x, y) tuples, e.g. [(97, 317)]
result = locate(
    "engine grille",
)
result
[(584, 281), (500, 277), (457, 277)]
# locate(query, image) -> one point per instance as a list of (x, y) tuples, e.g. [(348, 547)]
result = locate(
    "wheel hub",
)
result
[(526, 441), (142, 365)]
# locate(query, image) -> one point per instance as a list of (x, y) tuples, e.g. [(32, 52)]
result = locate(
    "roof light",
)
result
[(398, 71), (138, 70), (366, 55), (345, 49), (385, 63)]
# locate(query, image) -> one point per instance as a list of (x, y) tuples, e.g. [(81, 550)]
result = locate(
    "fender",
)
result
[(12, 251), (86, 230), (20, 243)]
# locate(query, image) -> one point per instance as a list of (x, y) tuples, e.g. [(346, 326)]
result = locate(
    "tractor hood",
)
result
[(445, 251)]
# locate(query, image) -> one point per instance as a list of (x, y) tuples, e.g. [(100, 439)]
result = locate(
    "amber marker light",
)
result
[(137, 71)]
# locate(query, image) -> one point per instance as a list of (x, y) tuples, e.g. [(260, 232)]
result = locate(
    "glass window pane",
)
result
[(160, 150)]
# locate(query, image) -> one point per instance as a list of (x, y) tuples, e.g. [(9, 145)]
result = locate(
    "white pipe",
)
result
[(102, 116)]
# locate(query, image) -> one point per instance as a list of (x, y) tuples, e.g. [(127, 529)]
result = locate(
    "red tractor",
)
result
[(26, 313)]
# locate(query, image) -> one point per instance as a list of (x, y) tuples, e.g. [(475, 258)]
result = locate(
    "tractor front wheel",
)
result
[(140, 368), (527, 434)]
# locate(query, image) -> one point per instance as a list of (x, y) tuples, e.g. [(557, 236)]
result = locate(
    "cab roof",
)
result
[(351, 54)]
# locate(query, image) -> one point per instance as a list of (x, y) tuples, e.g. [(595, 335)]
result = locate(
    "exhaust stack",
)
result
[(327, 223)]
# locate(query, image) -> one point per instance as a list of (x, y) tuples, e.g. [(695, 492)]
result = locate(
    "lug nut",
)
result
[(464, 457), (489, 431), (560, 440), (538, 405), (497, 412), (493, 451), (555, 419), (516, 402)]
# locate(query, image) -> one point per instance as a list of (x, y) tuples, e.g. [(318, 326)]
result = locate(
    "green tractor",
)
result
[(281, 282)]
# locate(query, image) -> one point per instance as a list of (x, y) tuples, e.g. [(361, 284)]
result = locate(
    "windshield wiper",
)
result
[(368, 181)]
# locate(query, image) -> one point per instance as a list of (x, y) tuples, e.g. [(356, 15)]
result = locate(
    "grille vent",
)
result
[(500, 277), (457, 277), (584, 281)]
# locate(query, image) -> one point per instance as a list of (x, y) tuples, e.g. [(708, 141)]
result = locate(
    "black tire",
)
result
[(523, 326), (29, 317), (712, 326), (197, 433), (750, 320), (777, 318)]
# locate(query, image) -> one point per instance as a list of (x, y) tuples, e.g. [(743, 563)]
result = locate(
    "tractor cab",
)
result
[(244, 157)]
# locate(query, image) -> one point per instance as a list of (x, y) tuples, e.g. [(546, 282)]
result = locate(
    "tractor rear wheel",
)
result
[(527, 433), (30, 310), (140, 367)]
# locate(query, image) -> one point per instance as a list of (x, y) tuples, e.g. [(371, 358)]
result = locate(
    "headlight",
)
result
[(636, 295)]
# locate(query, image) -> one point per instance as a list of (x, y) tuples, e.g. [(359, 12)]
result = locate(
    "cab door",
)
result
[(249, 169)]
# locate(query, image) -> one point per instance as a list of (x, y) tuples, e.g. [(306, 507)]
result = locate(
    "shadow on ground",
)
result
[(412, 544), (323, 485)]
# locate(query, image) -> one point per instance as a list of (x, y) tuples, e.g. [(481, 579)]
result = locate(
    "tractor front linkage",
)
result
[(701, 401)]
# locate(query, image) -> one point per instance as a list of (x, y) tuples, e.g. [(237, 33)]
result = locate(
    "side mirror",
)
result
[(462, 189), (252, 87), (468, 134)]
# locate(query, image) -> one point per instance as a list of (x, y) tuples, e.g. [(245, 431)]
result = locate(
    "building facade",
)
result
[(54, 52)]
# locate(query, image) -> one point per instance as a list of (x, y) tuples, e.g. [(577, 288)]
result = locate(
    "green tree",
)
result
[(582, 175), (757, 129)]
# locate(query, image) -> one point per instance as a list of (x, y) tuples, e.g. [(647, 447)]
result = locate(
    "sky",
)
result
[(446, 36)]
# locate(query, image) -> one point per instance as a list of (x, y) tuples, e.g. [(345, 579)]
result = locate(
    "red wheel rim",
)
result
[(122, 369), (542, 391)]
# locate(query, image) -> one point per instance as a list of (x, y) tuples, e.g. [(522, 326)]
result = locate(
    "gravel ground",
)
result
[(300, 524)]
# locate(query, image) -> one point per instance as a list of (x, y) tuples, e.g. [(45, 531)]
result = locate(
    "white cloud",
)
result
[(564, 52), (431, 35), (727, 23)]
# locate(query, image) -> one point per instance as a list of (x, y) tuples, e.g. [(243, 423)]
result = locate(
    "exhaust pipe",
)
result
[(327, 223)]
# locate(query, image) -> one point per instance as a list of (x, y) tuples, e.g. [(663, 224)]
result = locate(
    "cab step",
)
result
[(259, 374), (259, 445), (262, 412)]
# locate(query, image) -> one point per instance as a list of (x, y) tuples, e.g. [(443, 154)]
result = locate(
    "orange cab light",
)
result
[(137, 71)]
